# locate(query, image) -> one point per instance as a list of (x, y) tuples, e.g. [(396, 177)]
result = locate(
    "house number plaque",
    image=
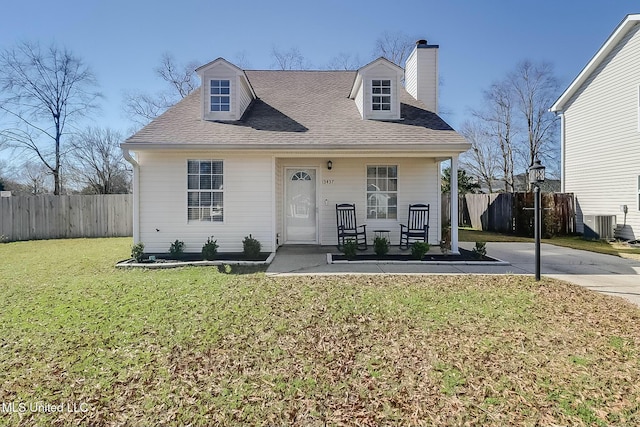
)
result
[(327, 181)]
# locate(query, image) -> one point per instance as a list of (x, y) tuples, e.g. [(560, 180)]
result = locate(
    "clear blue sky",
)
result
[(480, 41)]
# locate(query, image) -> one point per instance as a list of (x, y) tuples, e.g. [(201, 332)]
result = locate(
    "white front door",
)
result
[(301, 224)]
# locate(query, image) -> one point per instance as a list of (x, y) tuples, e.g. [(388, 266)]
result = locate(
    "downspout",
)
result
[(136, 194)]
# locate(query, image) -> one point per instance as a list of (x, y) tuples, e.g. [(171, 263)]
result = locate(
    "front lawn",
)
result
[(193, 346)]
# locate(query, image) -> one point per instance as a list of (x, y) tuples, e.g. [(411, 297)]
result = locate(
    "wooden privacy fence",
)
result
[(53, 217), (509, 213)]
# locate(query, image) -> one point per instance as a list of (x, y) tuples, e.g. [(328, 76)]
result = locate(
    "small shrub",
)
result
[(177, 249), (210, 249), (4, 239), (251, 247), (137, 251), (349, 248), (480, 250), (419, 250), (381, 246), (550, 224)]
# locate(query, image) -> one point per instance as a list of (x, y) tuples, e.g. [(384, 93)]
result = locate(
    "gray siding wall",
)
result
[(602, 138)]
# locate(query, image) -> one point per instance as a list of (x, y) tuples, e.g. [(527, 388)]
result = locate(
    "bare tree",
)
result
[(345, 62), (484, 158), (97, 162), (241, 60), (42, 91), (33, 178), (396, 47), (517, 120), (290, 59), (535, 88), (181, 80), (498, 117), (142, 107)]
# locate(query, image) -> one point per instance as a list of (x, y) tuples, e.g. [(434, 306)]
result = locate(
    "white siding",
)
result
[(376, 72), (248, 192), (250, 184), (244, 96), (347, 183), (241, 95), (360, 101), (602, 138), (421, 76)]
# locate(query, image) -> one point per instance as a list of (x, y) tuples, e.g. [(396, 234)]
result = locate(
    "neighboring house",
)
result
[(521, 184), (271, 153), (600, 135)]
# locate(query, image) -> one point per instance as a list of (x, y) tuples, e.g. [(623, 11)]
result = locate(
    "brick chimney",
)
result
[(421, 74)]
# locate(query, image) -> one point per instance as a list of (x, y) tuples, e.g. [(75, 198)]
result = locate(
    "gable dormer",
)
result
[(375, 90), (225, 91)]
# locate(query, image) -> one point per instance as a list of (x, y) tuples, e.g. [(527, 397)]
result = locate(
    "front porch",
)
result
[(308, 189), (312, 259)]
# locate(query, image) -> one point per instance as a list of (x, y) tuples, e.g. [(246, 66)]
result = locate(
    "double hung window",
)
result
[(382, 192), (381, 95), (205, 190), (220, 95)]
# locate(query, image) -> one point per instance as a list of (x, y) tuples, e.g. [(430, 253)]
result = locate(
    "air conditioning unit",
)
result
[(599, 226)]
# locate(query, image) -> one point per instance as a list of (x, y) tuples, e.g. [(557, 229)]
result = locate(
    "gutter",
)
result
[(334, 148), (136, 193)]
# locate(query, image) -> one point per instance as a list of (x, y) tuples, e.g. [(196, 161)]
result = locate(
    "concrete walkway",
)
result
[(603, 273)]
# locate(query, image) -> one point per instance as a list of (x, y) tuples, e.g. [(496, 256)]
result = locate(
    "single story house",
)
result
[(271, 153), (600, 136)]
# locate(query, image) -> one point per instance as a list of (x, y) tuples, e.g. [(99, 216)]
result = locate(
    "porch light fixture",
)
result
[(536, 173), (536, 177), (329, 165)]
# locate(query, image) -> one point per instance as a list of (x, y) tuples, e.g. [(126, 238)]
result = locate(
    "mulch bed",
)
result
[(465, 256), (223, 256)]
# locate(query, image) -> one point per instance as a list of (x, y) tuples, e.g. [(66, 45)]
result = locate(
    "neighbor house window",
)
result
[(220, 95), (205, 195), (381, 95), (382, 192)]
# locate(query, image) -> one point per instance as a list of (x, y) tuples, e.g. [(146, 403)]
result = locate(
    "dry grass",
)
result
[(194, 346)]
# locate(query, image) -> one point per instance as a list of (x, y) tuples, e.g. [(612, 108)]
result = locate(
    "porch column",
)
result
[(454, 204)]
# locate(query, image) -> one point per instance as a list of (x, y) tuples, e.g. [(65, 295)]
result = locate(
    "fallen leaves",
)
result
[(201, 348)]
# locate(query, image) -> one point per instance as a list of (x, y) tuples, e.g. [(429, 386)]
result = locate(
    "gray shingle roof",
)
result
[(306, 109)]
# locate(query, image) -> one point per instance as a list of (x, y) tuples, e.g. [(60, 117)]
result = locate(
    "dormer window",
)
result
[(375, 90), (381, 95), (220, 95), (225, 90)]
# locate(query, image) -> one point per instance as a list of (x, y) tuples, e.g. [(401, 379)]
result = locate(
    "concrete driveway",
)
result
[(603, 273)]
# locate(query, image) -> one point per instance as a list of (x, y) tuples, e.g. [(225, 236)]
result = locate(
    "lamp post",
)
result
[(536, 177)]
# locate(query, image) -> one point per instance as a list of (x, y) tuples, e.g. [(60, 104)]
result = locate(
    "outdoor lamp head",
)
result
[(329, 165), (536, 172)]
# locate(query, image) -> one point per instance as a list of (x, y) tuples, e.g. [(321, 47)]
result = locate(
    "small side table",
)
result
[(382, 233)]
